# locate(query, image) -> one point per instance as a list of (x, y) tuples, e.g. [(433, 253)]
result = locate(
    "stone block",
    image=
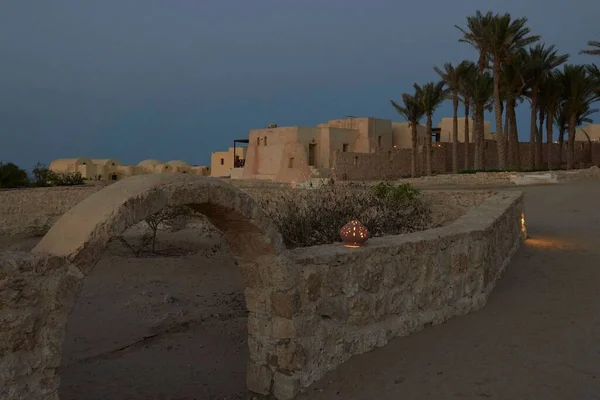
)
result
[(285, 304), (285, 387), (290, 356), (283, 328), (259, 378)]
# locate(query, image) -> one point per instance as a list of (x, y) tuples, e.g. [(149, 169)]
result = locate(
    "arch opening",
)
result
[(82, 234)]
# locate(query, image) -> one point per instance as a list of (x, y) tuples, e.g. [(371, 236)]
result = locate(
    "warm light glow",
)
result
[(523, 225), (354, 234)]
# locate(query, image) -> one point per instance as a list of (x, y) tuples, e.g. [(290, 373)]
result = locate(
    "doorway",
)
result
[(311, 154)]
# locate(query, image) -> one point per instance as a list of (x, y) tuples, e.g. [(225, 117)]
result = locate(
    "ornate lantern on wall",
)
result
[(354, 234)]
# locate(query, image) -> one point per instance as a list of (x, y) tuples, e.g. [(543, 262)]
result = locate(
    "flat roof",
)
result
[(241, 141)]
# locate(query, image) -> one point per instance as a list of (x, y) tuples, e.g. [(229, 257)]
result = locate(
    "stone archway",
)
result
[(77, 240)]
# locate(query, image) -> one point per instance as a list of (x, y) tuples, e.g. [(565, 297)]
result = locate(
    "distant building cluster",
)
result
[(297, 154), (111, 169)]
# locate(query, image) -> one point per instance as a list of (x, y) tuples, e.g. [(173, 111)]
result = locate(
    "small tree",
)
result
[(42, 175), (11, 176), (165, 215)]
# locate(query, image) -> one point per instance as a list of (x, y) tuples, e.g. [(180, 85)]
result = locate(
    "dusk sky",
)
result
[(179, 79)]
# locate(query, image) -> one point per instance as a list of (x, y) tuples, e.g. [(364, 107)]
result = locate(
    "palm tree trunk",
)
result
[(533, 128), (571, 142), (413, 162), (561, 144), (455, 135), (428, 143), (479, 147), (501, 142), (467, 139), (509, 144), (511, 105), (549, 122), (539, 141)]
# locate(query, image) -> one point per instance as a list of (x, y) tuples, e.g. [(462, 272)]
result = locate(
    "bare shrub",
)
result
[(314, 216), (166, 215)]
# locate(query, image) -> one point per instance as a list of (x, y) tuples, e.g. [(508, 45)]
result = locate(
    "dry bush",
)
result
[(315, 216)]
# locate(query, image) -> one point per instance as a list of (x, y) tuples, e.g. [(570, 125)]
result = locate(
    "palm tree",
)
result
[(540, 60), (482, 89), (412, 111), (594, 49), (430, 95), (452, 76), (468, 75), (551, 94), (476, 34), (579, 93), (513, 87), (504, 38), (594, 73)]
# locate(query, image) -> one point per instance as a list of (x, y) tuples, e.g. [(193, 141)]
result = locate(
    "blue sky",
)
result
[(178, 79)]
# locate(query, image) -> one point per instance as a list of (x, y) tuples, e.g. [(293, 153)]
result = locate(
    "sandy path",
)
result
[(536, 339), (159, 327)]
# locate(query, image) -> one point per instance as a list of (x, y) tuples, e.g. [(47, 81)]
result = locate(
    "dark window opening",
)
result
[(345, 147)]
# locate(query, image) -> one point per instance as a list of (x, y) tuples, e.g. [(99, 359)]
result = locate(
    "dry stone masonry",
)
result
[(310, 309)]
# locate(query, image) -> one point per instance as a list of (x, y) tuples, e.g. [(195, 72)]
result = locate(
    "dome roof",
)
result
[(106, 161), (63, 163), (178, 163), (149, 163)]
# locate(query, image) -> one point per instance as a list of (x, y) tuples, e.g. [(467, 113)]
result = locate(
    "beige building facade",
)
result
[(446, 130), (591, 130), (224, 163), (298, 153), (111, 169)]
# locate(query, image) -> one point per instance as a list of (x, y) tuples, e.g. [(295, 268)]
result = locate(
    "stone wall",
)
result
[(350, 301), (32, 211), (36, 292), (396, 164)]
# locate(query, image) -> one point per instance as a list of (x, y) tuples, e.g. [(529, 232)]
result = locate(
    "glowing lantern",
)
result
[(354, 234), (523, 226)]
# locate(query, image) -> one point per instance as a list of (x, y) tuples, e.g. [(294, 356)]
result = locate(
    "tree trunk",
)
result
[(428, 143), (571, 142), (509, 144), (467, 139), (514, 134), (533, 128), (479, 147), (561, 144), (480, 135), (539, 142), (415, 153), (455, 135), (549, 122), (500, 140)]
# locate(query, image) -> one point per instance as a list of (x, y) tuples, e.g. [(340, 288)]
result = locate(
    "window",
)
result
[(113, 164), (379, 141), (291, 163), (258, 141), (222, 161), (113, 177), (345, 147), (265, 140)]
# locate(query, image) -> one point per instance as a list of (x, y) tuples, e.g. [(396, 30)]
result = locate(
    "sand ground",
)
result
[(175, 327)]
